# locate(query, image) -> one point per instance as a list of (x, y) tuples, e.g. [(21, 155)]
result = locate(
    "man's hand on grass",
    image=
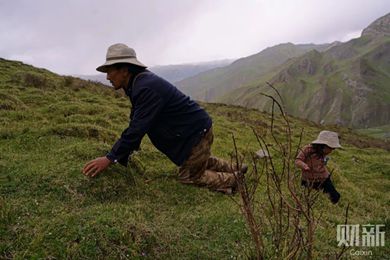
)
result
[(94, 167)]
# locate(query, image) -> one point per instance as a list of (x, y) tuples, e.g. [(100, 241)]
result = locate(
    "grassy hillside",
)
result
[(51, 126), (378, 132)]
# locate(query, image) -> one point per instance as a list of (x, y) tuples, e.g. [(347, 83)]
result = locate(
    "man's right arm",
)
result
[(147, 106), (126, 144)]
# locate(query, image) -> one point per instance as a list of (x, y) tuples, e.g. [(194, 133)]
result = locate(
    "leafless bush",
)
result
[(281, 216)]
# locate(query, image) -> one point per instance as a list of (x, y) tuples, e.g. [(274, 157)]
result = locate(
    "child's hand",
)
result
[(306, 167)]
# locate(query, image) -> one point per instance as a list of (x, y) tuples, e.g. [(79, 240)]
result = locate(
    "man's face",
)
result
[(118, 77)]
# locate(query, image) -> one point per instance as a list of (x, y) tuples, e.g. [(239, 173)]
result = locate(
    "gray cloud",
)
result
[(71, 37)]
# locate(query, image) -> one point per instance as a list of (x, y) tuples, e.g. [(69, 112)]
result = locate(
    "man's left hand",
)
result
[(94, 167)]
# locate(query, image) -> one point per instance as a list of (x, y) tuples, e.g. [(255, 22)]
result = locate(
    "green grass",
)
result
[(51, 126), (382, 132)]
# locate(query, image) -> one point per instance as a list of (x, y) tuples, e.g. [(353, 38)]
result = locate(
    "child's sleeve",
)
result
[(301, 158)]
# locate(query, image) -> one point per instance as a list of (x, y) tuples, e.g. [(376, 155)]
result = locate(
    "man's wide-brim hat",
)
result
[(329, 138), (120, 53)]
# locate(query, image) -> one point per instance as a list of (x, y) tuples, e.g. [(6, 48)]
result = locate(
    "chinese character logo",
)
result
[(348, 235), (371, 235)]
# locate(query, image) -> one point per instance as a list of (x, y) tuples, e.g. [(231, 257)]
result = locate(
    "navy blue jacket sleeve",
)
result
[(147, 104)]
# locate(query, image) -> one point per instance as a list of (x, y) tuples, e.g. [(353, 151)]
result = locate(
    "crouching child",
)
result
[(312, 160)]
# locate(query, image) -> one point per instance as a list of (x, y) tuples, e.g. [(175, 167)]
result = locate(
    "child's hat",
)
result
[(329, 138)]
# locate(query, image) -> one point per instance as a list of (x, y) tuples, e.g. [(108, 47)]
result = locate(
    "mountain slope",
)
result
[(348, 84), (210, 85), (50, 126)]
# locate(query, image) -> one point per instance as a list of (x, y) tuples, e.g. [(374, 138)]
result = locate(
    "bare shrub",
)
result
[(281, 216)]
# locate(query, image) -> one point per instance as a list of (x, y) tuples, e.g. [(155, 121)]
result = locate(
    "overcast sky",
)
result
[(72, 36)]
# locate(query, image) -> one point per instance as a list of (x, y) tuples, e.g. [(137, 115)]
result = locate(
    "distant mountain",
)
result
[(172, 73), (380, 27), (97, 78), (210, 85), (347, 84)]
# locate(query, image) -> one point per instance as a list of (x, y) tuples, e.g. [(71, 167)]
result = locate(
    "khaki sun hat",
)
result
[(329, 138), (120, 53)]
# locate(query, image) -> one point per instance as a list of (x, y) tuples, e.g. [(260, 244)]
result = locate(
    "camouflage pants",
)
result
[(202, 169)]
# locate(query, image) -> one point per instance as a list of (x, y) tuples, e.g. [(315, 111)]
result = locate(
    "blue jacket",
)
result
[(173, 122)]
